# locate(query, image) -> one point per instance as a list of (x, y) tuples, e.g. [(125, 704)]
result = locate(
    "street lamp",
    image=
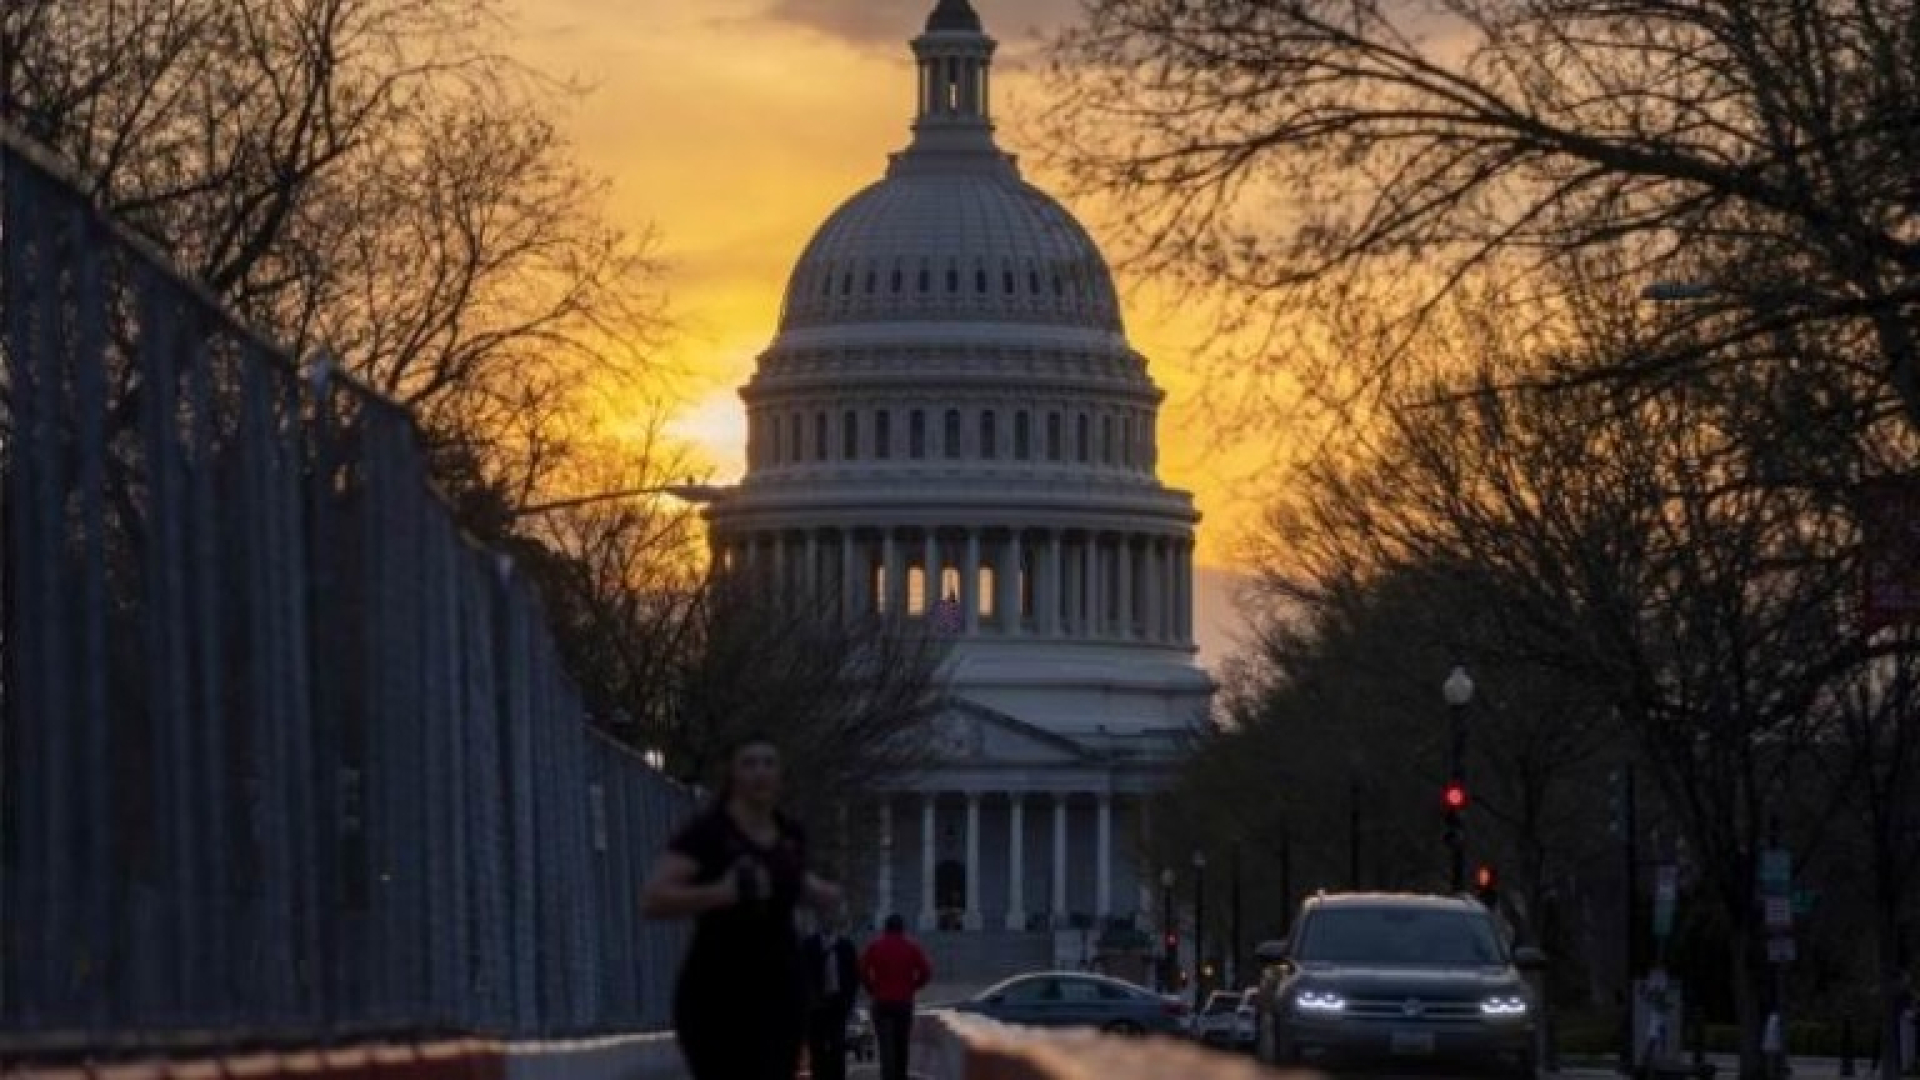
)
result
[(1458, 692), (689, 492), (1199, 924)]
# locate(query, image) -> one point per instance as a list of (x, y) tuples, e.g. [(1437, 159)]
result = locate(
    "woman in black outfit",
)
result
[(739, 869)]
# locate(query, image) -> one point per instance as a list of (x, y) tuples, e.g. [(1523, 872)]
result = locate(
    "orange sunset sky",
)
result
[(734, 127)]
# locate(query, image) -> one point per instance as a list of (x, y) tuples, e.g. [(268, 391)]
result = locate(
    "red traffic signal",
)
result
[(1455, 796)]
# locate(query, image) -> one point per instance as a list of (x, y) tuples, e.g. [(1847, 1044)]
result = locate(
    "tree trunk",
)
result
[(1892, 992), (1749, 1001)]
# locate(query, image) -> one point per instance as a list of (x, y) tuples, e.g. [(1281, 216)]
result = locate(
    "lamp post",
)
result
[(689, 492), (1458, 692), (1169, 948), (1199, 926)]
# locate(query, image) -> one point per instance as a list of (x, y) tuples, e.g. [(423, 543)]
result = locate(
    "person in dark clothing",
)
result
[(895, 971), (833, 980), (739, 869)]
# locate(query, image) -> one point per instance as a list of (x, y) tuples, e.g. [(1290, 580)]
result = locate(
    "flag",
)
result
[(946, 616)]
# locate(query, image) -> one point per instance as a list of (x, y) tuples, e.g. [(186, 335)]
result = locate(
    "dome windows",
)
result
[(1002, 427)]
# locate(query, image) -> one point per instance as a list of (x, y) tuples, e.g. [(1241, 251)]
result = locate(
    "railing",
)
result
[(283, 756)]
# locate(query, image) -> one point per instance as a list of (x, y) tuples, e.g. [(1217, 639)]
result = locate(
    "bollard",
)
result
[(1846, 1046)]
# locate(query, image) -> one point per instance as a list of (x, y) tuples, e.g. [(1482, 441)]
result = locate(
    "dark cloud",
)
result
[(890, 23)]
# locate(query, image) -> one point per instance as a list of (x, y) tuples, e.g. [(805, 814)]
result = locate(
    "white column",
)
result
[(973, 860), (1006, 584), (890, 591), (929, 572), (1016, 863), (1123, 569), (1150, 584), (1058, 915), (883, 892), (849, 604), (1076, 621), (1183, 577), (927, 916), (813, 565), (970, 582), (1103, 861), (1170, 583), (1143, 880), (1096, 587), (1050, 614)]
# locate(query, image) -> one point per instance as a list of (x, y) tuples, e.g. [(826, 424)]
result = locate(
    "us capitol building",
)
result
[(950, 408)]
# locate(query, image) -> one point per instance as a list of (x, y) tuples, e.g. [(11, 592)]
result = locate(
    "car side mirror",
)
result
[(1271, 952), (1528, 958)]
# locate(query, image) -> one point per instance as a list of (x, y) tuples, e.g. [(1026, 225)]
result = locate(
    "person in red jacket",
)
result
[(894, 970)]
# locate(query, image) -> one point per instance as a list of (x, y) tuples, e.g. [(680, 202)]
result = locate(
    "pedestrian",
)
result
[(833, 982), (894, 971), (739, 870)]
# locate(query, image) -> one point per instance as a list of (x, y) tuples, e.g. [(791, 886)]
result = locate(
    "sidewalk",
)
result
[(1727, 1067)]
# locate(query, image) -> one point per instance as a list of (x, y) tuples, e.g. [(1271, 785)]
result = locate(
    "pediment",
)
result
[(968, 731)]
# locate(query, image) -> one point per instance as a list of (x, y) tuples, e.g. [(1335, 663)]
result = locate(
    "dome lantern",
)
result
[(956, 57)]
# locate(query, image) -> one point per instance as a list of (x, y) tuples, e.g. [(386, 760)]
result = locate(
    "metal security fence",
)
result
[(284, 757)]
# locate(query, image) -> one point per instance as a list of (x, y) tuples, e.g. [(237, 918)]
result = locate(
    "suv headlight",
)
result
[(1504, 1006), (1319, 1001)]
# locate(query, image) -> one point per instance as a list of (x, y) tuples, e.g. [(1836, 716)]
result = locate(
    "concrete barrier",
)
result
[(959, 1046)]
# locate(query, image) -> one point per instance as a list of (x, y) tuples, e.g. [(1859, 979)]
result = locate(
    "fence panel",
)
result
[(283, 756)]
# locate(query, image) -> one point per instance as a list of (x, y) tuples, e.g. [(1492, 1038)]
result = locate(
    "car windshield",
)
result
[(1398, 936), (1222, 1003)]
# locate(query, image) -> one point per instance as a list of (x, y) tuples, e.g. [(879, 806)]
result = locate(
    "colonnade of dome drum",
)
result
[(1086, 583), (841, 429)]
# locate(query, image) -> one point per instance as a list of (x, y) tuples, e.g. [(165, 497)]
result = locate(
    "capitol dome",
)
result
[(950, 429), (943, 239)]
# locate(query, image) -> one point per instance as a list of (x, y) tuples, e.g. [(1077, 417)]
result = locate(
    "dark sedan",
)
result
[(1073, 999), (1396, 977)]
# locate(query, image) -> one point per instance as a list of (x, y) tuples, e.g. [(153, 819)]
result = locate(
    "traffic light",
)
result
[(1453, 799), (1486, 885), (1172, 943)]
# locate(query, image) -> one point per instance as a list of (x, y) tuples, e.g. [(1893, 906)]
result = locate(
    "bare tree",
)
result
[(1343, 165), (370, 176), (850, 701)]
